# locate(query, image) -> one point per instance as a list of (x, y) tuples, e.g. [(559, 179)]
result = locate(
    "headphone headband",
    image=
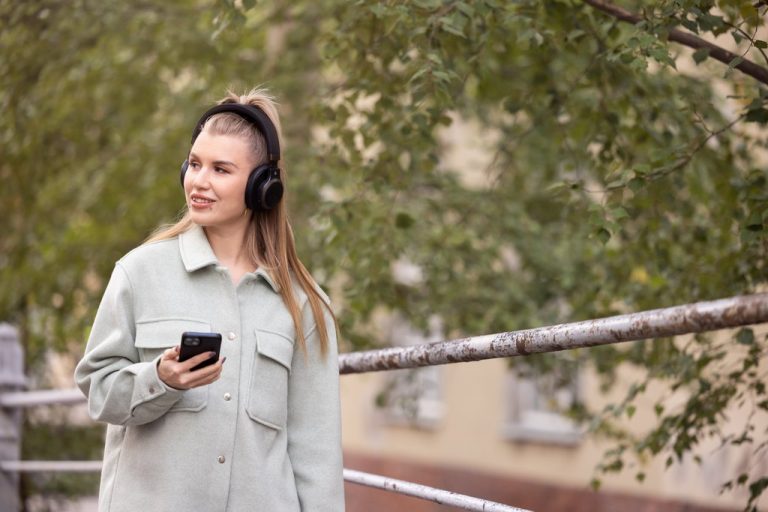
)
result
[(251, 113)]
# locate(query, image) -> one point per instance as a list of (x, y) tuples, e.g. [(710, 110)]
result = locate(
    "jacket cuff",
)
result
[(149, 387)]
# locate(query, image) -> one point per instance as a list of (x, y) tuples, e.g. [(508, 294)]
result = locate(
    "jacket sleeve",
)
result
[(120, 388), (314, 423)]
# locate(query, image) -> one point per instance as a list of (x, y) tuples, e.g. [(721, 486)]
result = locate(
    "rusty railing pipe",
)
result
[(685, 319)]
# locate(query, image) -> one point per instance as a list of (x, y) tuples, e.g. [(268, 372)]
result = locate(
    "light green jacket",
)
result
[(266, 436)]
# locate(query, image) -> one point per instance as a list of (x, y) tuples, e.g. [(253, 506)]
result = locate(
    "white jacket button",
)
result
[(227, 397), (221, 459), (231, 336)]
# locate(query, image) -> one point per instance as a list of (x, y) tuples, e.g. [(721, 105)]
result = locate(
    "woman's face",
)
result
[(214, 184)]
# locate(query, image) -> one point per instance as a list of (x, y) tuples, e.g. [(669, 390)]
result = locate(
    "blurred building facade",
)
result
[(484, 430)]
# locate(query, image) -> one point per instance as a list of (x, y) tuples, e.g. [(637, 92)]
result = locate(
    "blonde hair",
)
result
[(270, 243)]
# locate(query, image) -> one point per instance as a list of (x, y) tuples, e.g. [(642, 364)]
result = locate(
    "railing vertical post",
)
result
[(11, 379)]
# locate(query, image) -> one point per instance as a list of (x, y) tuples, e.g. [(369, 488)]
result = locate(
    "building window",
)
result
[(535, 405), (412, 397)]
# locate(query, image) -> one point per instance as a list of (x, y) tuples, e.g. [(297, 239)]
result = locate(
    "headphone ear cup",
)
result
[(184, 171), (255, 179), (271, 193), (264, 188)]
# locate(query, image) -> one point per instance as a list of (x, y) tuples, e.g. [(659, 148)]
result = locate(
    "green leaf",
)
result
[(557, 187), (636, 184), (448, 24), (631, 411), (661, 54), (428, 4), (575, 35), (690, 25), (733, 63), (754, 222), (757, 487), (603, 235), (441, 75), (404, 220), (466, 8), (619, 213), (419, 73), (701, 55), (711, 22), (378, 10), (642, 169), (745, 336), (760, 44), (757, 115)]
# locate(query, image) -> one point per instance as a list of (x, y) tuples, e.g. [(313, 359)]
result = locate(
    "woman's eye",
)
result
[(221, 170), (193, 164)]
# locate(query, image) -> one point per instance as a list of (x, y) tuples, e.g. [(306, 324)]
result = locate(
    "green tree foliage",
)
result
[(621, 179), (621, 183)]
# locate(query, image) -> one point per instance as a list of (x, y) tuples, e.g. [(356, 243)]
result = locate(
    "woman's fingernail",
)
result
[(223, 359)]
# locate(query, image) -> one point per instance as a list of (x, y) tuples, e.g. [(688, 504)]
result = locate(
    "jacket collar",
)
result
[(196, 253)]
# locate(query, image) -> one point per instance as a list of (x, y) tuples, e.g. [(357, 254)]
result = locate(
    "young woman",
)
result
[(259, 430)]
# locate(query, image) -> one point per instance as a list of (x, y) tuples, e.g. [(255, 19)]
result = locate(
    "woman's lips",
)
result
[(200, 202)]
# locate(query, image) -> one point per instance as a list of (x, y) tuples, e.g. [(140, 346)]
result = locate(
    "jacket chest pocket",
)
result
[(268, 391), (153, 337)]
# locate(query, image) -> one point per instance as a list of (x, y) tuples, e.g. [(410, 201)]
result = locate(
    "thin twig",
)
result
[(751, 39), (688, 156), (682, 161)]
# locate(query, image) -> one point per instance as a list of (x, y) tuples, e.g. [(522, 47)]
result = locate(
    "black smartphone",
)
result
[(194, 343)]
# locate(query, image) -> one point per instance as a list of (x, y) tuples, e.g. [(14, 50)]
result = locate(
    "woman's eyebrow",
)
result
[(217, 162)]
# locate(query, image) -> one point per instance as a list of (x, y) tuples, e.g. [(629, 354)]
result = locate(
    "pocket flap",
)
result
[(166, 332), (275, 346)]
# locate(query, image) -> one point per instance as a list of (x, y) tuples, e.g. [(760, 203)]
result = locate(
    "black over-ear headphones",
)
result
[(264, 188)]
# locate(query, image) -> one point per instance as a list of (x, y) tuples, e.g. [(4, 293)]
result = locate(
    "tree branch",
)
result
[(748, 67)]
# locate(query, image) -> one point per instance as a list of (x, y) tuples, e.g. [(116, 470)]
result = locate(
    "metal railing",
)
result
[(685, 319), (426, 493)]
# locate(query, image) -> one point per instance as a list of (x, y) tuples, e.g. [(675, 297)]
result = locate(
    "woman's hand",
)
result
[(178, 375)]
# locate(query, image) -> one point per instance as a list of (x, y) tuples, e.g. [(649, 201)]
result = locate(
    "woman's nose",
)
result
[(200, 178)]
